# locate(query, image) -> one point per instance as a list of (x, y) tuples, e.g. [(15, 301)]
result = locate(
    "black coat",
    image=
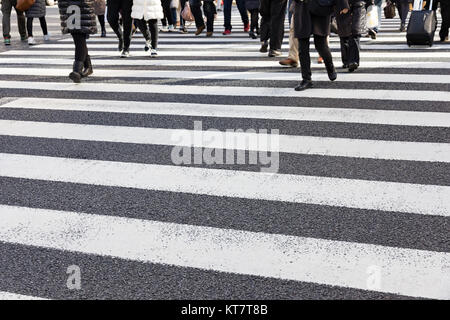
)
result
[(306, 23), (353, 22), (88, 23), (251, 4)]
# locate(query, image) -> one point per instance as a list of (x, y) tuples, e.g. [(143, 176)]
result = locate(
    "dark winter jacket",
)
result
[(87, 23), (306, 23), (353, 22), (37, 10), (252, 4)]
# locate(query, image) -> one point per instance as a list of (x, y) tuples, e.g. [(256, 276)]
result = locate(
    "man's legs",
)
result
[(264, 10), (445, 13), (113, 20), (278, 14), (126, 6)]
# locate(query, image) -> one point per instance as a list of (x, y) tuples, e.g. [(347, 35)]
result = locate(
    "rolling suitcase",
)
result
[(422, 25)]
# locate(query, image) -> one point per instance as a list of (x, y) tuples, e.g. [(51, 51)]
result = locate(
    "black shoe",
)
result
[(372, 34), (103, 34), (125, 53), (252, 35), (274, 53), (402, 28), (87, 71), (332, 75), (352, 66), (305, 84), (345, 66), (76, 74), (264, 46)]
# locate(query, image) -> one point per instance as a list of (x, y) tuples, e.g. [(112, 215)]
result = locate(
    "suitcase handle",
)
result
[(418, 5)]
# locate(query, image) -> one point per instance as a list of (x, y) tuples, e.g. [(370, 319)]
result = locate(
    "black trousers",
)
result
[(81, 50), (445, 12), (350, 48), (43, 23), (254, 17), (321, 45), (403, 9), (209, 8), (273, 13), (150, 32), (167, 13), (124, 7)]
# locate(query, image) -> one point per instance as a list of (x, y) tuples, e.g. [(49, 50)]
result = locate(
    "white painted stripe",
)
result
[(224, 53), (406, 95), (352, 193), (325, 146), (408, 272), (218, 63), (15, 296), (227, 75), (389, 117)]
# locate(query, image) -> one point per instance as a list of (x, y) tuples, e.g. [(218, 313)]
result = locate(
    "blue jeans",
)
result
[(227, 12)]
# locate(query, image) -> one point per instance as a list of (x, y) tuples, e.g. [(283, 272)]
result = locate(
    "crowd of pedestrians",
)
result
[(307, 18)]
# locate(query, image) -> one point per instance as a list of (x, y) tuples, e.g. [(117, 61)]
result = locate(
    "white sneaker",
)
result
[(153, 53), (164, 29), (47, 37), (125, 54), (171, 28), (148, 45), (31, 41)]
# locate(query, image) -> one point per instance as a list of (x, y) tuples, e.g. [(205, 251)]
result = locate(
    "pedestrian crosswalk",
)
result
[(358, 205)]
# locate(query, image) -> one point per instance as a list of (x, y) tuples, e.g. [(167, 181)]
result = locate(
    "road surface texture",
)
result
[(94, 203)]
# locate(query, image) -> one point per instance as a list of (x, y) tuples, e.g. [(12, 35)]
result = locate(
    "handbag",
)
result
[(389, 10), (24, 5), (186, 14), (321, 7), (372, 17)]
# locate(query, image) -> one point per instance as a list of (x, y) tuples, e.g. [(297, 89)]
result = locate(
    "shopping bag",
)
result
[(372, 17), (186, 14)]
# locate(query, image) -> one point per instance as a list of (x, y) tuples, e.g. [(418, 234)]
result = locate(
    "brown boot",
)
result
[(199, 30), (289, 63)]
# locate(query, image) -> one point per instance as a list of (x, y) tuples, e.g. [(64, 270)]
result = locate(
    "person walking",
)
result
[(7, 6), (124, 36), (253, 7), (445, 14), (273, 14), (209, 9), (100, 9), (146, 14), (37, 10), (227, 15), (351, 26), (403, 7), (307, 22), (82, 66)]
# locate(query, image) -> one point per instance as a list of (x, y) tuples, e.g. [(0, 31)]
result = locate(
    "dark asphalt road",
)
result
[(410, 246)]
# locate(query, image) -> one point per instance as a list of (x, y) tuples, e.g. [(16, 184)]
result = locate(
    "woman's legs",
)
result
[(254, 14), (43, 23), (82, 64), (30, 27), (101, 20), (81, 50)]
